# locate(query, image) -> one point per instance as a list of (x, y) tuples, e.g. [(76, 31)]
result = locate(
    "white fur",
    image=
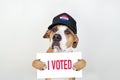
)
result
[(63, 41)]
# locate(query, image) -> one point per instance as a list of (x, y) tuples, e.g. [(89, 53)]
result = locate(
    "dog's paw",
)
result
[(38, 64), (80, 64)]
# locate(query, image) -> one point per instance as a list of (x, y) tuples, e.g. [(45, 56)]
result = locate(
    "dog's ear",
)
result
[(47, 34), (75, 42)]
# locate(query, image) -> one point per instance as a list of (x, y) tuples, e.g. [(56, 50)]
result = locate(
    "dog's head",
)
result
[(61, 37)]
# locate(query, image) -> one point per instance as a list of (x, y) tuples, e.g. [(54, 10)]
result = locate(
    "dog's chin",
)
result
[(56, 45)]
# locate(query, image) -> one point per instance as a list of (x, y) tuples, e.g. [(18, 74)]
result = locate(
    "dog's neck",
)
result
[(62, 51)]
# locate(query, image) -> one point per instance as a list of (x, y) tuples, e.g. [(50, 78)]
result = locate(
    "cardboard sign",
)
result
[(59, 65)]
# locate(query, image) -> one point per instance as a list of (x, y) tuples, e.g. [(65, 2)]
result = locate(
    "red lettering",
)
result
[(70, 64), (53, 64), (60, 64), (48, 65), (57, 65), (65, 64)]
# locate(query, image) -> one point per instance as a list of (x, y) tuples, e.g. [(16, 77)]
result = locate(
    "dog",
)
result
[(62, 38)]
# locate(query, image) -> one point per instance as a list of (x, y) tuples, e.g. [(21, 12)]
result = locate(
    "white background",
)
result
[(23, 23)]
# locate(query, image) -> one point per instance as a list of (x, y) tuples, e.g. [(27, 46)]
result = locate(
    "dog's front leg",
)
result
[(50, 50), (48, 79), (71, 78)]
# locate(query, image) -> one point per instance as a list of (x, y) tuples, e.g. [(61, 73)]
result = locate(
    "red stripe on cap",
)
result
[(64, 17)]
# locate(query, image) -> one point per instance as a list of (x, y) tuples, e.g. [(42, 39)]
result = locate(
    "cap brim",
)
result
[(52, 25)]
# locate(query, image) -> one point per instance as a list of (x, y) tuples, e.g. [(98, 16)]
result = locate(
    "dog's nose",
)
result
[(57, 37)]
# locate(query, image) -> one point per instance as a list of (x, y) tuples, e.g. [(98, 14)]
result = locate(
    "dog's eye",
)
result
[(54, 29), (67, 32)]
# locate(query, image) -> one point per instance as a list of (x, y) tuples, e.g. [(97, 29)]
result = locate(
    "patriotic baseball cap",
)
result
[(64, 19)]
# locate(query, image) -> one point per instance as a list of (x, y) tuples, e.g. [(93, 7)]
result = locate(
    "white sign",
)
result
[(59, 65)]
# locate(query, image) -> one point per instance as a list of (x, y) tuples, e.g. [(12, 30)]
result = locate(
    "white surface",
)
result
[(58, 73), (23, 23)]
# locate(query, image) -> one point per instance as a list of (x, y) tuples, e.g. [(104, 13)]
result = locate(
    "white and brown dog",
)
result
[(62, 39)]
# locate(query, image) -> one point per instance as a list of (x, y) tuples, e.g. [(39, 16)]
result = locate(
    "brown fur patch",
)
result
[(50, 50), (70, 39)]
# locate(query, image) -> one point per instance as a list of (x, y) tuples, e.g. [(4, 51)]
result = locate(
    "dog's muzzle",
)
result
[(56, 41), (57, 37)]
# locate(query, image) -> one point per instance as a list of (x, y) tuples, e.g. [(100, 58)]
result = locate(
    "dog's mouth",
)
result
[(56, 45)]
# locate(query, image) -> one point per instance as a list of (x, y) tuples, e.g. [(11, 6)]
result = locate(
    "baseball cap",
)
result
[(64, 19)]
